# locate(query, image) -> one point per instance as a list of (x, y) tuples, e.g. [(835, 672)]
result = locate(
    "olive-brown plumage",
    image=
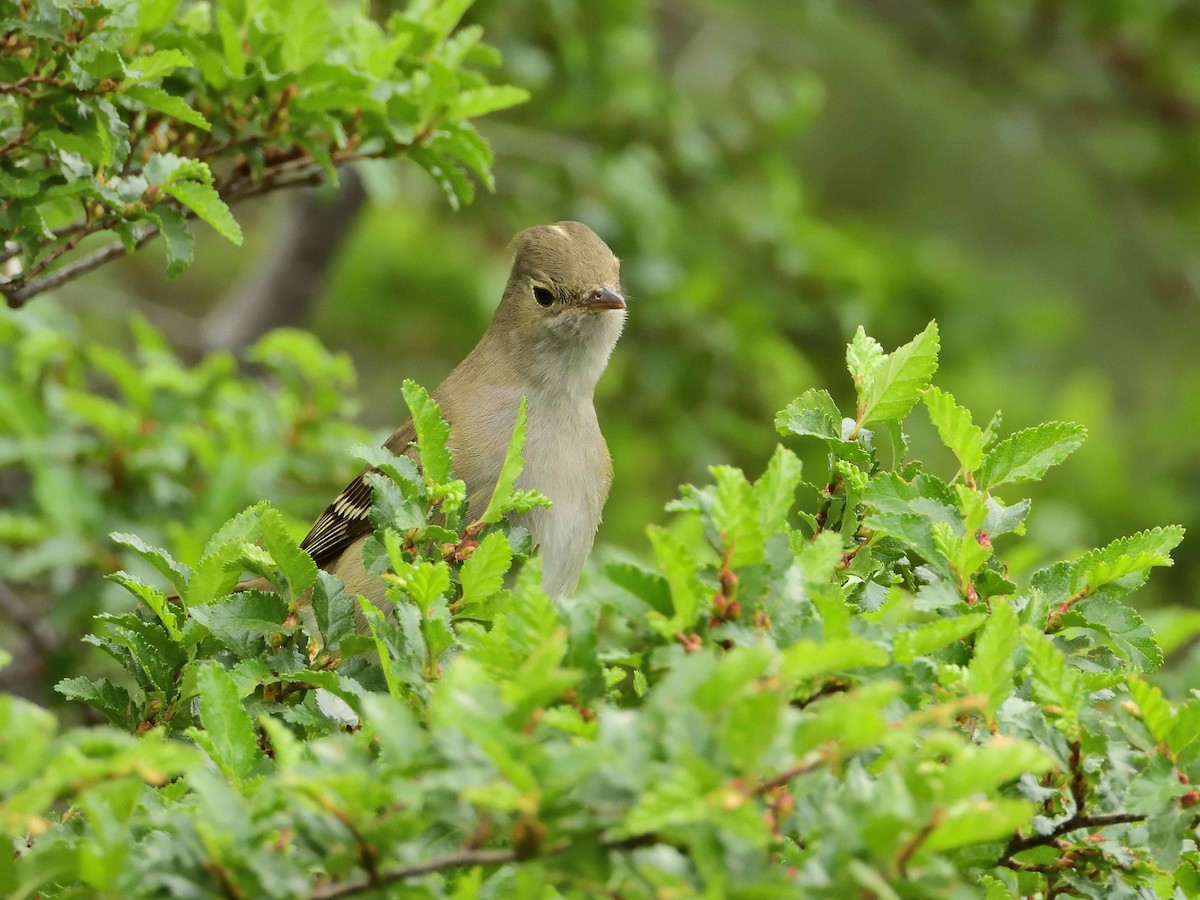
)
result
[(549, 341)]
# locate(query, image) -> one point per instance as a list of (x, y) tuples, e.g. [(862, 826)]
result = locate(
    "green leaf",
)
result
[(173, 106), (1055, 682), (1124, 565), (155, 65), (775, 490), (1029, 453), (892, 386), (153, 598), (864, 355), (924, 639), (1156, 712), (400, 469), (983, 822), (993, 665), (955, 428), (242, 621), (814, 414), (105, 696), (649, 587), (175, 572), (206, 203), (509, 472), (483, 572), (432, 432), (1129, 635), (675, 559), (735, 516), (228, 726), (179, 242), (483, 100), (807, 658), (298, 567)]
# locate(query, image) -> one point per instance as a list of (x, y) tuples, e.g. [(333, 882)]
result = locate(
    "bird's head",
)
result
[(563, 307)]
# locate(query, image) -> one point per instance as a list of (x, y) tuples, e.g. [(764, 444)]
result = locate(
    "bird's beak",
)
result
[(603, 298)]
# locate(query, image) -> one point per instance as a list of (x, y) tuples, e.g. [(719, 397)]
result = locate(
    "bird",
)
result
[(549, 341)]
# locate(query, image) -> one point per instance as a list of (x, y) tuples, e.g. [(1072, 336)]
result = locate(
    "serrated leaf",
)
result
[(984, 822), (1126, 562), (228, 726), (864, 355), (955, 428), (775, 490), (675, 559), (483, 572), (110, 699), (1029, 453), (993, 664), (206, 203), (1055, 682), (298, 567), (432, 432), (812, 413), (153, 598), (175, 572), (1129, 635), (931, 636), (242, 621), (892, 386), (502, 498), (154, 66), (483, 100), (175, 107), (1156, 713), (172, 225), (807, 658), (735, 516)]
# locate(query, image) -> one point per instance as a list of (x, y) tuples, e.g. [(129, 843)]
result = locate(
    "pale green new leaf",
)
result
[(735, 516), (675, 559), (1156, 713), (483, 100), (483, 572), (891, 388), (432, 432), (955, 428), (993, 665), (775, 490), (924, 639)]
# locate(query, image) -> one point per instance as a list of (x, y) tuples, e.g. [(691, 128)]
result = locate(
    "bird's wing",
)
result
[(346, 519)]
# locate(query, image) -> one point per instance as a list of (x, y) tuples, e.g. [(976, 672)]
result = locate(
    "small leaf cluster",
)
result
[(129, 117), (822, 687), (94, 440)]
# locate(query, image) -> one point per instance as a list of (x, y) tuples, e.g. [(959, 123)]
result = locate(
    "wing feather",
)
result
[(347, 518)]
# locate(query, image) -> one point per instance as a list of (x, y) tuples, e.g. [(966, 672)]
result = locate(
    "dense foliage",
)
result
[(841, 697), (129, 118)]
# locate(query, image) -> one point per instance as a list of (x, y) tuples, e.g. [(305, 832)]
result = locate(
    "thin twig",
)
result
[(291, 173), (465, 858), (17, 298), (1019, 844)]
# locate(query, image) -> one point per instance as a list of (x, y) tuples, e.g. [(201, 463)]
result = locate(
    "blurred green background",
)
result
[(774, 175)]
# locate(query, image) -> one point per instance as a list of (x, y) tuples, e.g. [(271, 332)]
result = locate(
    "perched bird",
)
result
[(549, 341)]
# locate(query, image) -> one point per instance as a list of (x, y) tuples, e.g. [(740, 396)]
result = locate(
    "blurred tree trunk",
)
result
[(283, 288)]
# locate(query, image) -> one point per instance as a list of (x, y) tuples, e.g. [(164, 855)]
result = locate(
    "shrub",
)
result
[(844, 696)]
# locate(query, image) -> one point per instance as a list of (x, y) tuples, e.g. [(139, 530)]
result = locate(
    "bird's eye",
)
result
[(543, 296)]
